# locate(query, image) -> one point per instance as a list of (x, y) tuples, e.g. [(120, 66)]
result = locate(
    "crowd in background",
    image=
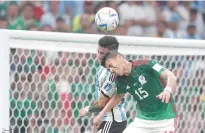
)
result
[(169, 19)]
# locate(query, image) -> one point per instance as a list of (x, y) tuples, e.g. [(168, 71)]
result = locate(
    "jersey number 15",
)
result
[(142, 94)]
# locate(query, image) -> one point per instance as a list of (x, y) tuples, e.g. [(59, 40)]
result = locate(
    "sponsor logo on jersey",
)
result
[(142, 80)]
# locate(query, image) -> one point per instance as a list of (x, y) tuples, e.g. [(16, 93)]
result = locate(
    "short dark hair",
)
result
[(109, 55), (109, 42)]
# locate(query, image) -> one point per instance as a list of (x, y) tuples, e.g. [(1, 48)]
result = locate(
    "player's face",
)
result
[(114, 65), (101, 52)]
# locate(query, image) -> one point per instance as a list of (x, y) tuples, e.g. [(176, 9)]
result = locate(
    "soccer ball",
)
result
[(106, 19)]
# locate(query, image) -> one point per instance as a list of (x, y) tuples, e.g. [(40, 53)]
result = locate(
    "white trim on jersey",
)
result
[(112, 77), (107, 127)]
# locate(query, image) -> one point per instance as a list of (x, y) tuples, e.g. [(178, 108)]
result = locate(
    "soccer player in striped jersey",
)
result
[(151, 85), (114, 121)]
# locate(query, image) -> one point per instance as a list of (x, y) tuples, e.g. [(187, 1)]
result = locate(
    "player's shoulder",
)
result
[(111, 76), (100, 68), (141, 62), (107, 74)]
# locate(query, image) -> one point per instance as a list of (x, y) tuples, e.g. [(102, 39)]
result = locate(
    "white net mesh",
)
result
[(49, 88)]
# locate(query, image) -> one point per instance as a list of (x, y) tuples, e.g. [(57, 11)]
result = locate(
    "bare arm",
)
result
[(112, 103), (171, 79), (170, 85), (98, 105)]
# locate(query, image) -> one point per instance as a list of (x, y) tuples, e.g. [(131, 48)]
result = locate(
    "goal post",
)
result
[(50, 77), (4, 81), (88, 43)]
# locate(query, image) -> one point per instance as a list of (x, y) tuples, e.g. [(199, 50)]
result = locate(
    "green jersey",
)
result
[(144, 84)]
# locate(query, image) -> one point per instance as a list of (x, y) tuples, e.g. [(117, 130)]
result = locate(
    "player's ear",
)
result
[(107, 63)]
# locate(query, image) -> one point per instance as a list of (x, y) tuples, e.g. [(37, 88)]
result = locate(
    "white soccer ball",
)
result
[(106, 19)]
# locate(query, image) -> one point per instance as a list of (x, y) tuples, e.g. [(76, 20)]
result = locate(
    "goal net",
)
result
[(51, 77)]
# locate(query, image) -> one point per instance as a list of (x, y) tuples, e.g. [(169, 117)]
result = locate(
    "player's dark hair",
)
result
[(109, 42), (109, 55)]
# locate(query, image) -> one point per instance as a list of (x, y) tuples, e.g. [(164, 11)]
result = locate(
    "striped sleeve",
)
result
[(109, 88)]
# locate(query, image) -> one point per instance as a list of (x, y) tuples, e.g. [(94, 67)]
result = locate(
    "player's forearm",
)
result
[(171, 82), (99, 104), (112, 103), (95, 107)]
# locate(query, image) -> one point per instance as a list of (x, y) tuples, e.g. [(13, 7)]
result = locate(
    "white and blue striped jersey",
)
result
[(104, 85)]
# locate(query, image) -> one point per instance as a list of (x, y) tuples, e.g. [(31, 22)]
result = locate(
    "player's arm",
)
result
[(107, 91), (170, 85), (163, 73), (171, 80), (111, 104), (160, 72), (98, 105), (116, 98)]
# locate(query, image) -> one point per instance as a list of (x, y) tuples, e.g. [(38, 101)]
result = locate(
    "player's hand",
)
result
[(97, 121), (164, 96), (84, 111)]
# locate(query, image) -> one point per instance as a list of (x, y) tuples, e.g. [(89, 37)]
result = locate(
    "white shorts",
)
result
[(152, 126)]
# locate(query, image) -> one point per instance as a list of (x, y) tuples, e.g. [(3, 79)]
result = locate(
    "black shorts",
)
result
[(112, 127)]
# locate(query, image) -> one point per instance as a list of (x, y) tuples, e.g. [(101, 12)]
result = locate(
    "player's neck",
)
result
[(128, 68)]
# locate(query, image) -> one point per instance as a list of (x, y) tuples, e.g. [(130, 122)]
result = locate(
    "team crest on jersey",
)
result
[(142, 80)]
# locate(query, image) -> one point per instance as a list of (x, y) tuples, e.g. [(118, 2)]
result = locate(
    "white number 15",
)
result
[(142, 94)]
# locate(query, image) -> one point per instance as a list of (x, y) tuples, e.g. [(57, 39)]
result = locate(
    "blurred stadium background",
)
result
[(49, 88)]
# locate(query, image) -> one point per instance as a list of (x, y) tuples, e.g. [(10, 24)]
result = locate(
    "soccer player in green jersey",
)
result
[(151, 85)]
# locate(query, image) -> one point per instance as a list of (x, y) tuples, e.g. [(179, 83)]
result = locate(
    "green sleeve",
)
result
[(121, 87), (155, 68)]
